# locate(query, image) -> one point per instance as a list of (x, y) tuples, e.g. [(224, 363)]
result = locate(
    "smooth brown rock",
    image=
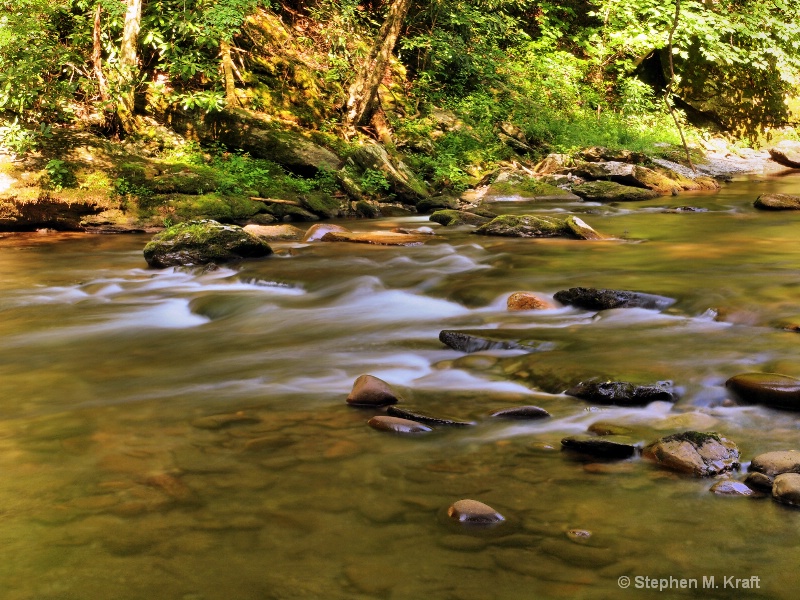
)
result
[(473, 512), (788, 157), (274, 232), (369, 390), (527, 301), (729, 487), (395, 411), (699, 454), (397, 425), (759, 482), (769, 389), (786, 489), (776, 463), (316, 232), (521, 412), (378, 238), (777, 202)]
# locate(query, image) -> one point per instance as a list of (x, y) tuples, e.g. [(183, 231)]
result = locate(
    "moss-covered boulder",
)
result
[(202, 242), (402, 182), (694, 452), (449, 218), (532, 226), (609, 191), (777, 202)]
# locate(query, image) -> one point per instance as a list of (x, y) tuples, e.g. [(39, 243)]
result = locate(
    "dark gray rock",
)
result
[(696, 453), (473, 342), (604, 299), (369, 390), (413, 415), (769, 389), (521, 412), (202, 242), (598, 447), (623, 393)]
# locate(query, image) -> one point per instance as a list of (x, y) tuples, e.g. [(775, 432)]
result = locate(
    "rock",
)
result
[(402, 182), (769, 389), (598, 446), (521, 412), (627, 174), (424, 230), (786, 489), (609, 191), (699, 454), (603, 299), (274, 232), (371, 391), (623, 393), (397, 425), (600, 154), (317, 231), (48, 210), (403, 413), (553, 163), (527, 301), (759, 482), (777, 202), (477, 342), (521, 186), (434, 203), (776, 463), (526, 226), (787, 157), (449, 218), (472, 512), (729, 487), (376, 238), (202, 242), (608, 428), (581, 230), (579, 536)]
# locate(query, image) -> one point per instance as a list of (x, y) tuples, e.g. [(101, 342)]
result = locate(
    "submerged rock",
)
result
[(527, 301), (599, 447), (521, 412), (603, 299), (776, 463), (623, 393), (477, 342), (397, 425), (609, 191), (786, 489), (777, 202), (202, 242), (769, 389), (472, 512), (696, 453), (369, 390), (411, 415), (730, 487)]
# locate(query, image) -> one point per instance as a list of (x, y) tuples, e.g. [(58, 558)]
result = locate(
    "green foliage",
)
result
[(59, 175), (19, 139), (374, 182)]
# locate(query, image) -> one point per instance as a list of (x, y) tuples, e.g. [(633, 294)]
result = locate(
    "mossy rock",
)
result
[(188, 207), (527, 226), (608, 191), (457, 217), (530, 188), (321, 204), (434, 203), (202, 242)]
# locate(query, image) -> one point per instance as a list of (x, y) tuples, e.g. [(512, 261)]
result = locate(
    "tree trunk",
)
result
[(227, 74), (364, 91), (97, 54), (129, 65)]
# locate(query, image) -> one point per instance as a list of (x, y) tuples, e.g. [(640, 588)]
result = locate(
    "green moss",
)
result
[(222, 208), (321, 204), (696, 438)]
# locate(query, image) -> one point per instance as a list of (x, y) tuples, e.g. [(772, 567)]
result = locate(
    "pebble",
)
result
[(371, 391), (397, 425), (527, 301), (473, 512)]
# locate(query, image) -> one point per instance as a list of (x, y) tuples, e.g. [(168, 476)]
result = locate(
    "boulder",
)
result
[(532, 226), (759, 482), (465, 341), (553, 163), (623, 393), (786, 489), (730, 487), (412, 415), (274, 232), (369, 390), (598, 446), (605, 299), (777, 202), (458, 217), (402, 182), (770, 389), (699, 454), (434, 203), (316, 232), (397, 425), (776, 463), (627, 174), (377, 238), (526, 413), (202, 242), (527, 301), (609, 191), (473, 512)]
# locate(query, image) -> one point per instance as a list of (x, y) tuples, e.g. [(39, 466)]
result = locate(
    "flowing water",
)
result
[(120, 479)]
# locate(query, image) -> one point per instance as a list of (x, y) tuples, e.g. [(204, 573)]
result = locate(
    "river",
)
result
[(120, 479)]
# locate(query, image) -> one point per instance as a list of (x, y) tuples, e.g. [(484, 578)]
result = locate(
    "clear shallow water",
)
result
[(116, 485)]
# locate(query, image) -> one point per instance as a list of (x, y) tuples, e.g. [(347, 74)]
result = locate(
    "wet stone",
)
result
[(599, 447), (371, 391), (776, 463), (604, 299), (527, 301), (397, 425), (729, 487), (521, 412), (786, 489), (225, 421), (473, 512), (478, 342), (696, 453), (759, 482), (403, 413), (579, 536), (623, 393), (770, 389), (318, 231), (777, 202)]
